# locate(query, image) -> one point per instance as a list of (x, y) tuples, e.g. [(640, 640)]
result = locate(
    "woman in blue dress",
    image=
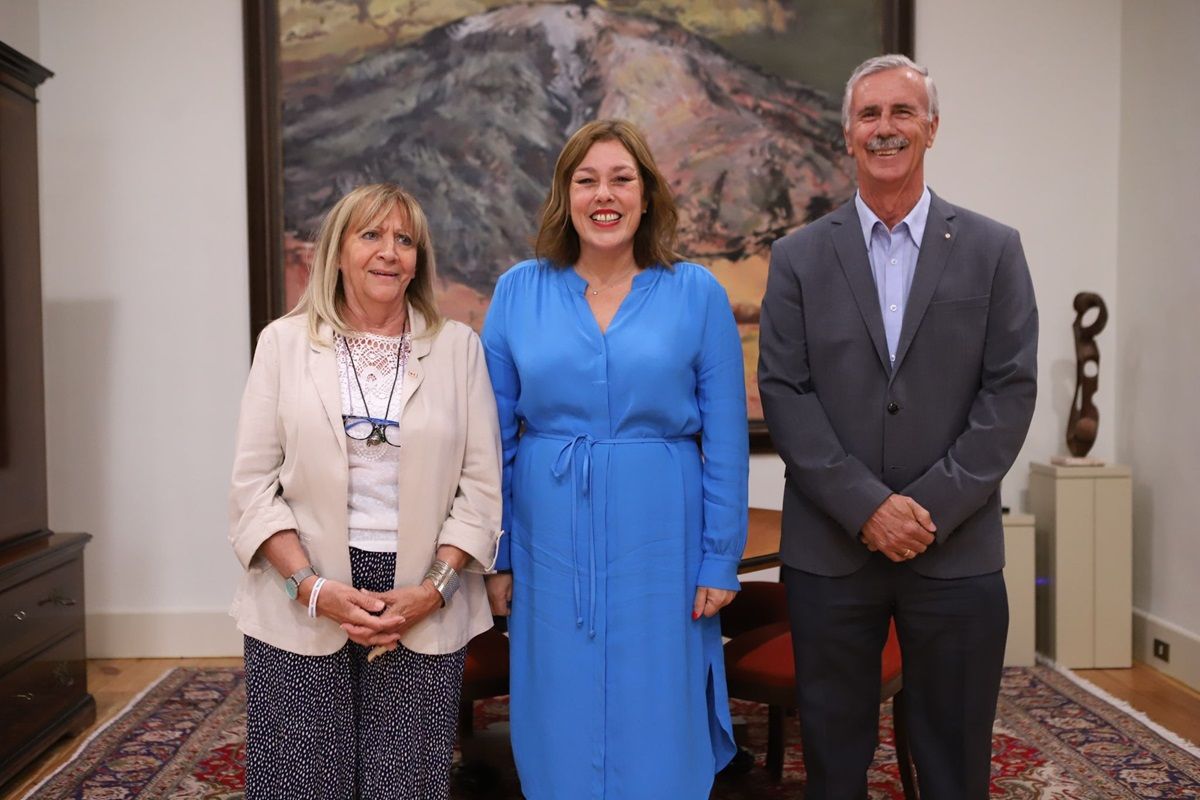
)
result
[(618, 375)]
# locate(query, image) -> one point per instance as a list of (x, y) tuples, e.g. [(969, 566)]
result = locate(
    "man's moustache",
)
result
[(890, 143)]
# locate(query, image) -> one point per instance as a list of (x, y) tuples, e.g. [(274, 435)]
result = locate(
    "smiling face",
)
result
[(377, 263), (607, 201), (890, 131)]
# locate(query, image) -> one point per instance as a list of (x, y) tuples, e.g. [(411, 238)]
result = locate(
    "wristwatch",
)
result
[(291, 584)]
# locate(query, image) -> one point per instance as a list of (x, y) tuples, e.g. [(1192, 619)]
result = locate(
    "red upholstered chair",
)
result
[(760, 667), (758, 603), (484, 675)]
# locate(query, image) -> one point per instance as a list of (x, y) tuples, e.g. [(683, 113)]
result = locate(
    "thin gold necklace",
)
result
[(606, 286)]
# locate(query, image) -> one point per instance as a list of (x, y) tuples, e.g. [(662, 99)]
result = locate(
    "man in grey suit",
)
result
[(898, 374)]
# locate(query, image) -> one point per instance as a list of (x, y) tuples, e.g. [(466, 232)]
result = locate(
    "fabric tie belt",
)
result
[(583, 445)]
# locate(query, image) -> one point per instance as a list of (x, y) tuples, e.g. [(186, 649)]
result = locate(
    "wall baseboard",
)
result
[(169, 634), (1184, 665)]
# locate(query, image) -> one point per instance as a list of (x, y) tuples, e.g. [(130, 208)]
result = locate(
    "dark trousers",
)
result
[(952, 635)]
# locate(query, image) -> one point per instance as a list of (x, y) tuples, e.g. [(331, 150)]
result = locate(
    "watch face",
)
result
[(291, 584)]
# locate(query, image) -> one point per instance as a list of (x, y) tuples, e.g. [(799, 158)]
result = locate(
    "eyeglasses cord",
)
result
[(357, 382)]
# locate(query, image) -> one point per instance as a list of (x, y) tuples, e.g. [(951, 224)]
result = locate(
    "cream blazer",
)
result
[(290, 472)]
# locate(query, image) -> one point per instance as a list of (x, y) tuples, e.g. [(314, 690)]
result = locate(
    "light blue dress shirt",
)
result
[(893, 257)]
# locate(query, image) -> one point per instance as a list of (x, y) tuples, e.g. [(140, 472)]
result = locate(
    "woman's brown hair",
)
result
[(654, 242)]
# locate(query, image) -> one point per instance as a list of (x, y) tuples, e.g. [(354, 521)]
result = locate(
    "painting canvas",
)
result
[(466, 103)]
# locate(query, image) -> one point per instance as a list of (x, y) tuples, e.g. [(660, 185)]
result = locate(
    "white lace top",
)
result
[(372, 505)]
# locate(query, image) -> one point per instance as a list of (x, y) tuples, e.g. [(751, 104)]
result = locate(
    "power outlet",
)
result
[(1162, 650)]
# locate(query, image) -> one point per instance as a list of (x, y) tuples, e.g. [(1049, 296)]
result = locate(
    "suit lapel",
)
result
[(322, 366), (852, 254), (936, 245), (414, 371)]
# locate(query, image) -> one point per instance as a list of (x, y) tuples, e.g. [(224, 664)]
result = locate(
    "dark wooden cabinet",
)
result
[(43, 675), (23, 509)]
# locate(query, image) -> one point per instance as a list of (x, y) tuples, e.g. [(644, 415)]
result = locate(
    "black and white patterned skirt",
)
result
[(338, 727)]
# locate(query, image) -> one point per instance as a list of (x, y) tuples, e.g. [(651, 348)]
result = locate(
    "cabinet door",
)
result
[(22, 399), (1114, 576), (40, 610), (35, 696)]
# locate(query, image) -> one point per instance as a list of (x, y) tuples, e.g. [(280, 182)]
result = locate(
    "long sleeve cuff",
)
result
[(481, 545), (719, 572), (251, 533), (868, 500), (503, 561)]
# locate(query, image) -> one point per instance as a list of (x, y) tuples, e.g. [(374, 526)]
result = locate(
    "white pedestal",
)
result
[(1084, 570), (1019, 575)]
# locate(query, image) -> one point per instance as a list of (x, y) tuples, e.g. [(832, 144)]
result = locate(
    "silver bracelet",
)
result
[(445, 579), (312, 598)]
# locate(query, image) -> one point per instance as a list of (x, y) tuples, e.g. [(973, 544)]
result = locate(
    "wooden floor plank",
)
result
[(1163, 699)]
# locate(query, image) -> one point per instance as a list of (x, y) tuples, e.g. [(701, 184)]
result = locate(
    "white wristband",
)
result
[(312, 598)]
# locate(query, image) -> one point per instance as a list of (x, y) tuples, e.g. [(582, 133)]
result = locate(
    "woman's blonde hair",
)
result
[(324, 299), (654, 243)]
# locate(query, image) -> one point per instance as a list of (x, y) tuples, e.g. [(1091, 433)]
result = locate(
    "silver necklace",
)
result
[(606, 286)]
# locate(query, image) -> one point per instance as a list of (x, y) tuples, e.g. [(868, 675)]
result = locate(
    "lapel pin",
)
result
[(947, 236)]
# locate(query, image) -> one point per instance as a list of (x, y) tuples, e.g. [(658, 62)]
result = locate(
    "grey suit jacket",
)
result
[(943, 426)]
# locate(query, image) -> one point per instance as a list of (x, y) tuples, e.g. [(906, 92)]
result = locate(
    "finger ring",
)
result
[(907, 553)]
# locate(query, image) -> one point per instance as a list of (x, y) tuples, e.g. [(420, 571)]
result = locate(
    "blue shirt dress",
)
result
[(614, 518)]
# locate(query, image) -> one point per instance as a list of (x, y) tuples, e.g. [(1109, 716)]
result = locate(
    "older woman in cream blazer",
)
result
[(365, 507)]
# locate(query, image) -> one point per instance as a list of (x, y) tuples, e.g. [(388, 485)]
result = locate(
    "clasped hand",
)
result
[(900, 528), (377, 618)]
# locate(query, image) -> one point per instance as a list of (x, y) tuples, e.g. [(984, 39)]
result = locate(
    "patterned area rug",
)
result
[(1054, 739)]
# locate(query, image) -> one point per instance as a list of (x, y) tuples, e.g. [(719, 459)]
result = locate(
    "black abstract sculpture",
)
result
[(1085, 417)]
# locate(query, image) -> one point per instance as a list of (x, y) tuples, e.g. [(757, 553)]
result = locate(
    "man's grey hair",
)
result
[(882, 64)]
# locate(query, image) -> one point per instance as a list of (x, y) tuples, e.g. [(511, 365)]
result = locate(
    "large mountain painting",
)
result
[(467, 104)]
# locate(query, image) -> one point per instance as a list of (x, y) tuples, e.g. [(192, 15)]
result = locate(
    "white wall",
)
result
[(145, 286), (19, 26), (1030, 95), (1157, 379)]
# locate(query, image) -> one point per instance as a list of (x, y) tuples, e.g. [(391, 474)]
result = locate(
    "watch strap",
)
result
[(291, 584)]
